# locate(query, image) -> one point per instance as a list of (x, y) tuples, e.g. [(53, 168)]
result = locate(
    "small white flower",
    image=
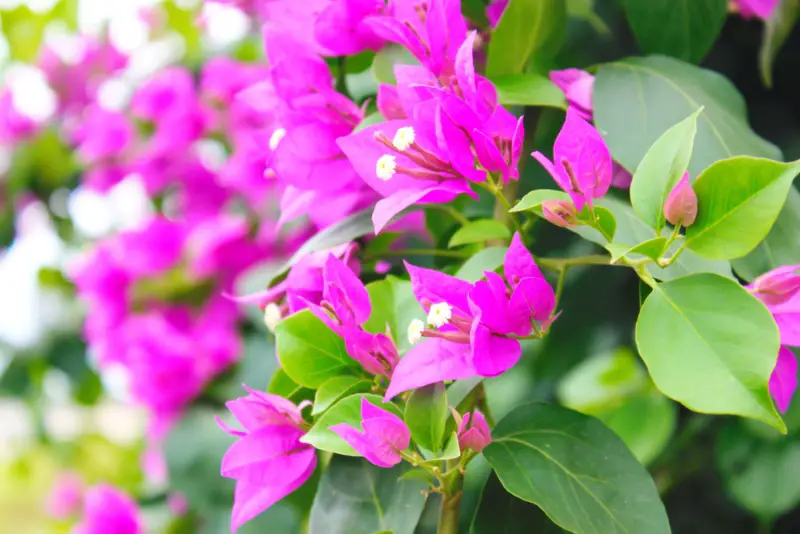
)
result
[(272, 316), (440, 314), (276, 138), (404, 138), (386, 167), (415, 331)]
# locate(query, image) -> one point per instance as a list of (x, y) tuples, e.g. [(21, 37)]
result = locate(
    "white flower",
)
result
[(440, 314), (415, 331), (385, 167), (276, 138), (404, 138), (272, 316)]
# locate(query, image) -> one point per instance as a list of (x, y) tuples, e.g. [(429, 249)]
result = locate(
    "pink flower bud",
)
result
[(560, 212), (777, 286), (681, 205), (474, 433)]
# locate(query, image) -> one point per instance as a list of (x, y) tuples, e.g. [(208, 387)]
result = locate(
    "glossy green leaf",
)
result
[(661, 168), (685, 29), (356, 497), (347, 410), (527, 27), (393, 309), (451, 449), (576, 470), (763, 475), (487, 259), (711, 346), (282, 385), (637, 99), (738, 201), (426, 416), (528, 90), (603, 221), (337, 387), (533, 201), (500, 512), (645, 422), (652, 248), (480, 231), (780, 247), (777, 29), (310, 352)]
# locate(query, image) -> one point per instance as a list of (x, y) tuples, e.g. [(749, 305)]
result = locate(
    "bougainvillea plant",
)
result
[(422, 237)]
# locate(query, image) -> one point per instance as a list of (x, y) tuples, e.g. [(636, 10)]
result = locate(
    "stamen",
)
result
[(386, 167), (276, 138), (415, 331), (404, 138), (440, 314), (573, 180), (272, 316)]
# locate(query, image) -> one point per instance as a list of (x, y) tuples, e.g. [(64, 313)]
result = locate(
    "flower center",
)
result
[(404, 138), (440, 314), (415, 329), (386, 167)]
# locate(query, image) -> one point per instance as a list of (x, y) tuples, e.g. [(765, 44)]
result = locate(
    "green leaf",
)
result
[(645, 422), (584, 10), (528, 90), (310, 352), (385, 60), (393, 308), (335, 388), (282, 385), (604, 221), (738, 201), (533, 201), (637, 99), (652, 248), (661, 168), (451, 449), (576, 470), (527, 27), (347, 410), (475, 10), (763, 475), (780, 247), (685, 29), (369, 120), (426, 415), (711, 346), (480, 231), (417, 473), (356, 497), (488, 259), (777, 29)]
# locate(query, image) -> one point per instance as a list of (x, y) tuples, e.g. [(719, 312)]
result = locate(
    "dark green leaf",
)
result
[(777, 29), (480, 231), (711, 346), (393, 308), (528, 90), (685, 29), (426, 415), (577, 470), (738, 201), (527, 27), (310, 352), (637, 99), (356, 497), (337, 387), (347, 410)]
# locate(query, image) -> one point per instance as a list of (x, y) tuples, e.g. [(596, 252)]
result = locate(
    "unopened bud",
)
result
[(560, 212), (680, 207), (777, 286), (473, 432)]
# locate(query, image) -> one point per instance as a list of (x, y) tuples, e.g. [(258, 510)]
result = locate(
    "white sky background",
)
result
[(27, 313)]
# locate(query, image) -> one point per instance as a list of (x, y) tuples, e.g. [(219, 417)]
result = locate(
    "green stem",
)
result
[(483, 405), (562, 277), (450, 210), (764, 526), (645, 276), (341, 77), (451, 501), (558, 264), (419, 252), (666, 262)]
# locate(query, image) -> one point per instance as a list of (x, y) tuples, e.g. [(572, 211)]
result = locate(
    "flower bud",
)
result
[(473, 432), (560, 212), (777, 286), (680, 207)]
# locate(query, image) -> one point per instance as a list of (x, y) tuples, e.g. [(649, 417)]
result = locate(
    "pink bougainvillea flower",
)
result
[(783, 381), (473, 432), (428, 362), (620, 177), (66, 496), (268, 461), (582, 164), (777, 286), (340, 27), (577, 86), (680, 207), (761, 9), (107, 509), (495, 10), (383, 435)]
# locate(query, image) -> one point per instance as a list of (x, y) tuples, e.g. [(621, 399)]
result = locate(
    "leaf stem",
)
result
[(450, 210), (562, 276), (558, 264), (451, 500)]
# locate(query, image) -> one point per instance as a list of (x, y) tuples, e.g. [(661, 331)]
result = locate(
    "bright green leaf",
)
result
[(685, 29), (576, 470), (370, 120), (533, 201), (661, 168), (451, 449), (711, 346), (393, 308), (480, 231), (347, 410), (527, 27), (356, 497), (528, 90), (652, 248), (487, 259), (337, 387), (777, 29), (385, 60), (604, 222), (426, 416), (310, 352), (637, 99), (738, 201)]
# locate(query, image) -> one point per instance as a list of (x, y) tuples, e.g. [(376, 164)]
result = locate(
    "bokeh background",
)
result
[(59, 415)]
